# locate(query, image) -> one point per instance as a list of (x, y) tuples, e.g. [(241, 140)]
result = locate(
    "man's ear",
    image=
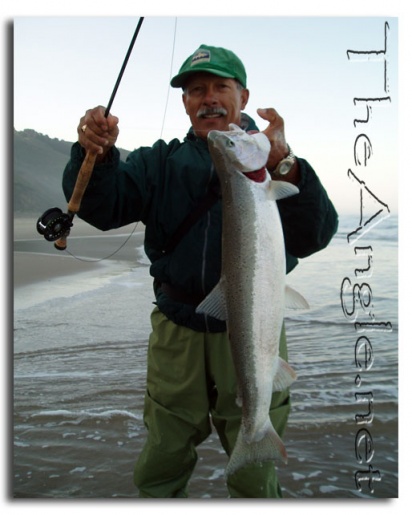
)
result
[(184, 101), (244, 97)]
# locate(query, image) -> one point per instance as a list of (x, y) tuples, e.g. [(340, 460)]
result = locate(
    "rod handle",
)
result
[(82, 181)]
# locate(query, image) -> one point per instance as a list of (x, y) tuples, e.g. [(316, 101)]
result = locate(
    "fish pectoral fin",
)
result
[(284, 377), (214, 304), (283, 189), (294, 300)]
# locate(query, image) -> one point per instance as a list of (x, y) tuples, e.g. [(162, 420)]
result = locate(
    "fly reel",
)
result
[(54, 224)]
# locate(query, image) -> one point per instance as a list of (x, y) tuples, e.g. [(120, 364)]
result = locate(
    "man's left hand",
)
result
[(275, 132)]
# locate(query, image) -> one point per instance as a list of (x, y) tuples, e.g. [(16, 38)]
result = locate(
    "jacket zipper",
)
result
[(205, 245)]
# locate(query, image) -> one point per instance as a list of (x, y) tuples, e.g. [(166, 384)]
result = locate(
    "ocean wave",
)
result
[(308, 320), (136, 347), (385, 229), (78, 416)]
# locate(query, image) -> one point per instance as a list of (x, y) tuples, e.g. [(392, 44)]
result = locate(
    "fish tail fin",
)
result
[(269, 447)]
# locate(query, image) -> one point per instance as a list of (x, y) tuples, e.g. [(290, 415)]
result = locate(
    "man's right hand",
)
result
[(98, 134)]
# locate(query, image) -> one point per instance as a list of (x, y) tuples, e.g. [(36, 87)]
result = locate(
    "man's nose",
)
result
[(210, 97)]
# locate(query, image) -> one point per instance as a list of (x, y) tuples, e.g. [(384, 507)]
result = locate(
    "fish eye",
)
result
[(230, 143)]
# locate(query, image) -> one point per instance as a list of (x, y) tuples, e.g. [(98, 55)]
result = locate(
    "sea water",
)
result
[(80, 364)]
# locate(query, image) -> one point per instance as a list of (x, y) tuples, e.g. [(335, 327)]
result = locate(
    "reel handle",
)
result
[(61, 243)]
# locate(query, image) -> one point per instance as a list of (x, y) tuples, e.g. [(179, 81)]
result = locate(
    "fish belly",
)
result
[(254, 276), (254, 271)]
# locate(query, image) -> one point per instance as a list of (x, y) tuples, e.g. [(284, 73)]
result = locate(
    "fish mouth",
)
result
[(209, 113), (213, 137)]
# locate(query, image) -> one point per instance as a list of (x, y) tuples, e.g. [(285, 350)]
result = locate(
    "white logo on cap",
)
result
[(201, 56)]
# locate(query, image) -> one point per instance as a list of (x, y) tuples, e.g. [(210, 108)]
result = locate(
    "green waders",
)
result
[(191, 379)]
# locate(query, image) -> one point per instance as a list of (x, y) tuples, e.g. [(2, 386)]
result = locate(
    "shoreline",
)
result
[(24, 227), (36, 260)]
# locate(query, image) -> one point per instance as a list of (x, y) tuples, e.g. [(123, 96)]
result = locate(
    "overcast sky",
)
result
[(298, 65)]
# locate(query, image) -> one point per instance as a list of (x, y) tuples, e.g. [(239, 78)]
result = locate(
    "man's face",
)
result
[(213, 102)]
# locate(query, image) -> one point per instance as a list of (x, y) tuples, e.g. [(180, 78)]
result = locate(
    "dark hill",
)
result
[(38, 166)]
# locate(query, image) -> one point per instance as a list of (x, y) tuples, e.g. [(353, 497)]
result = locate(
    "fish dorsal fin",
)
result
[(283, 189), (214, 304), (294, 300)]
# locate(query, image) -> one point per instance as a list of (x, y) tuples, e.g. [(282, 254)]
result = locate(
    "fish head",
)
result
[(238, 150)]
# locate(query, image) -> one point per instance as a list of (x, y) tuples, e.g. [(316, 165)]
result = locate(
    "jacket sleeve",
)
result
[(309, 218), (105, 204)]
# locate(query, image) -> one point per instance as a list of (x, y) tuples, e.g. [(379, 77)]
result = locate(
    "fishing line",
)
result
[(170, 77), (107, 113), (91, 260)]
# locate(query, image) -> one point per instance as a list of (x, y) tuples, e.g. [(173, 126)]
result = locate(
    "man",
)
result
[(190, 375)]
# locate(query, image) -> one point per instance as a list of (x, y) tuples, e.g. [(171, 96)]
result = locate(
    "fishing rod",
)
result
[(55, 225)]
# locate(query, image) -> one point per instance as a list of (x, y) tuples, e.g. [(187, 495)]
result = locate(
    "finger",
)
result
[(96, 120), (89, 139), (97, 133), (267, 113), (271, 115)]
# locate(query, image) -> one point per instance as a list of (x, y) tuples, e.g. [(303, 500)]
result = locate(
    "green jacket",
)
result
[(159, 186)]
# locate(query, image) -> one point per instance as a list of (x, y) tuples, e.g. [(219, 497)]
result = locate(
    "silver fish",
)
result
[(251, 294)]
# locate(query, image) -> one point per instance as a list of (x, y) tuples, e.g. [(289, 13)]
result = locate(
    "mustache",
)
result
[(209, 111)]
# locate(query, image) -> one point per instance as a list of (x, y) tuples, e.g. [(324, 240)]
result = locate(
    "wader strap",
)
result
[(202, 207)]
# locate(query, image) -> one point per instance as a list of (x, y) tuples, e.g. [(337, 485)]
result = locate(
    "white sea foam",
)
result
[(92, 307), (81, 415)]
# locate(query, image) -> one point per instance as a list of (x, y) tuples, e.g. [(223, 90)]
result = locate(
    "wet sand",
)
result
[(36, 259)]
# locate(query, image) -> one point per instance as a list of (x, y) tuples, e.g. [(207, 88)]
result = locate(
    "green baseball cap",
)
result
[(215, 60)]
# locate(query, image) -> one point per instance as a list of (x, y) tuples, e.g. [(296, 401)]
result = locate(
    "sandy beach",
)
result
[(36, 259)]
